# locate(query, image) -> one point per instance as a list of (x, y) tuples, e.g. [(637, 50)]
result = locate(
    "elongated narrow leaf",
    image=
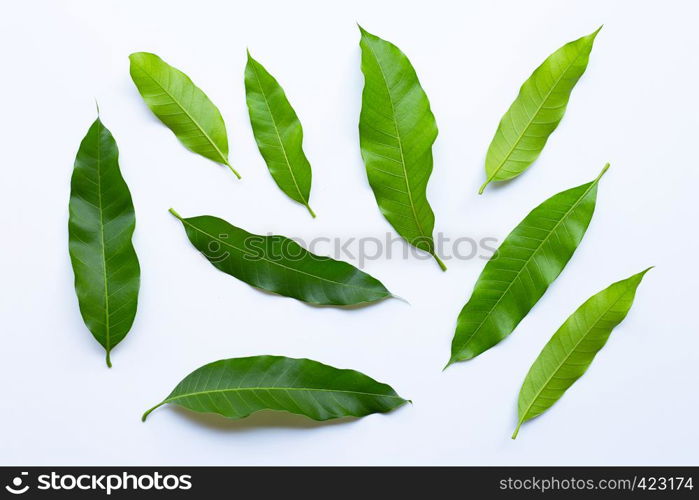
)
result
[(278, 133), (567, 356), (100, 227), (280, 265), (396, 133), (182, 106), (517, 276), (238, 387), (537, 111)]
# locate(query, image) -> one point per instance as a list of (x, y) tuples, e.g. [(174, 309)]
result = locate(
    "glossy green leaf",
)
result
[(182, 106), (278, 133), (280, 265), (396, 133), (567, 356), (100, 227), (517, 276), (238, 387), (537, 111)]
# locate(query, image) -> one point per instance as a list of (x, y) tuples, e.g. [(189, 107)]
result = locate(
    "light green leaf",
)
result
[(100, 227), (280, 265), (238, 387), (537, 111), (396, 133), (182, 106), (517, 276), (567, 356), (278, 133)]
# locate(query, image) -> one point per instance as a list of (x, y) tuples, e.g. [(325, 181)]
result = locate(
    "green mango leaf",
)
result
[(238, 387), (396, 133), (567, 356), (181, 106), (278, 133), (517, 276), (537, 111), (280, 265), (100, 226)]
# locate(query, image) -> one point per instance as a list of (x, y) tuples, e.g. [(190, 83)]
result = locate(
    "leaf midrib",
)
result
[(225, 243), (283, 389), (276, 130), (107, 332), (400, 145), (567, 357), (224, 158), (527, 261), (531, 119)]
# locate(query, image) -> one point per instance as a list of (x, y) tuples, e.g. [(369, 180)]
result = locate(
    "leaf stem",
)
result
[(174, 212), (514, 434), (439, 261), (606, 167), (109, 361), (482, 188), (233, 170), (310, 210), (148, 412)]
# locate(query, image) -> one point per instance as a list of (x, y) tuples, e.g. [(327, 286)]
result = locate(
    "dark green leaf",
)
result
[(182, 106), (100, 227), (517, 276), (537, 111), (278, 133), (396, 133), (238, 387), (567, 356), (280, 265)]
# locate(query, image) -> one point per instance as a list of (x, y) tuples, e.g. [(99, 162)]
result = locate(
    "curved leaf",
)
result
[(280, 265), (567, 356), (278, 133), (517, 276), (396, 133), (100, 227), (537, 111), (238, 387), (182, 106)]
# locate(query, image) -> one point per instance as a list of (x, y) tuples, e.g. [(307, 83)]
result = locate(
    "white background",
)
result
[(636, 107)]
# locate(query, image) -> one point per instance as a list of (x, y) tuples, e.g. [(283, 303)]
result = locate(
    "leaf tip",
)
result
[(643, 273), (397, 297), (363, 31)]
